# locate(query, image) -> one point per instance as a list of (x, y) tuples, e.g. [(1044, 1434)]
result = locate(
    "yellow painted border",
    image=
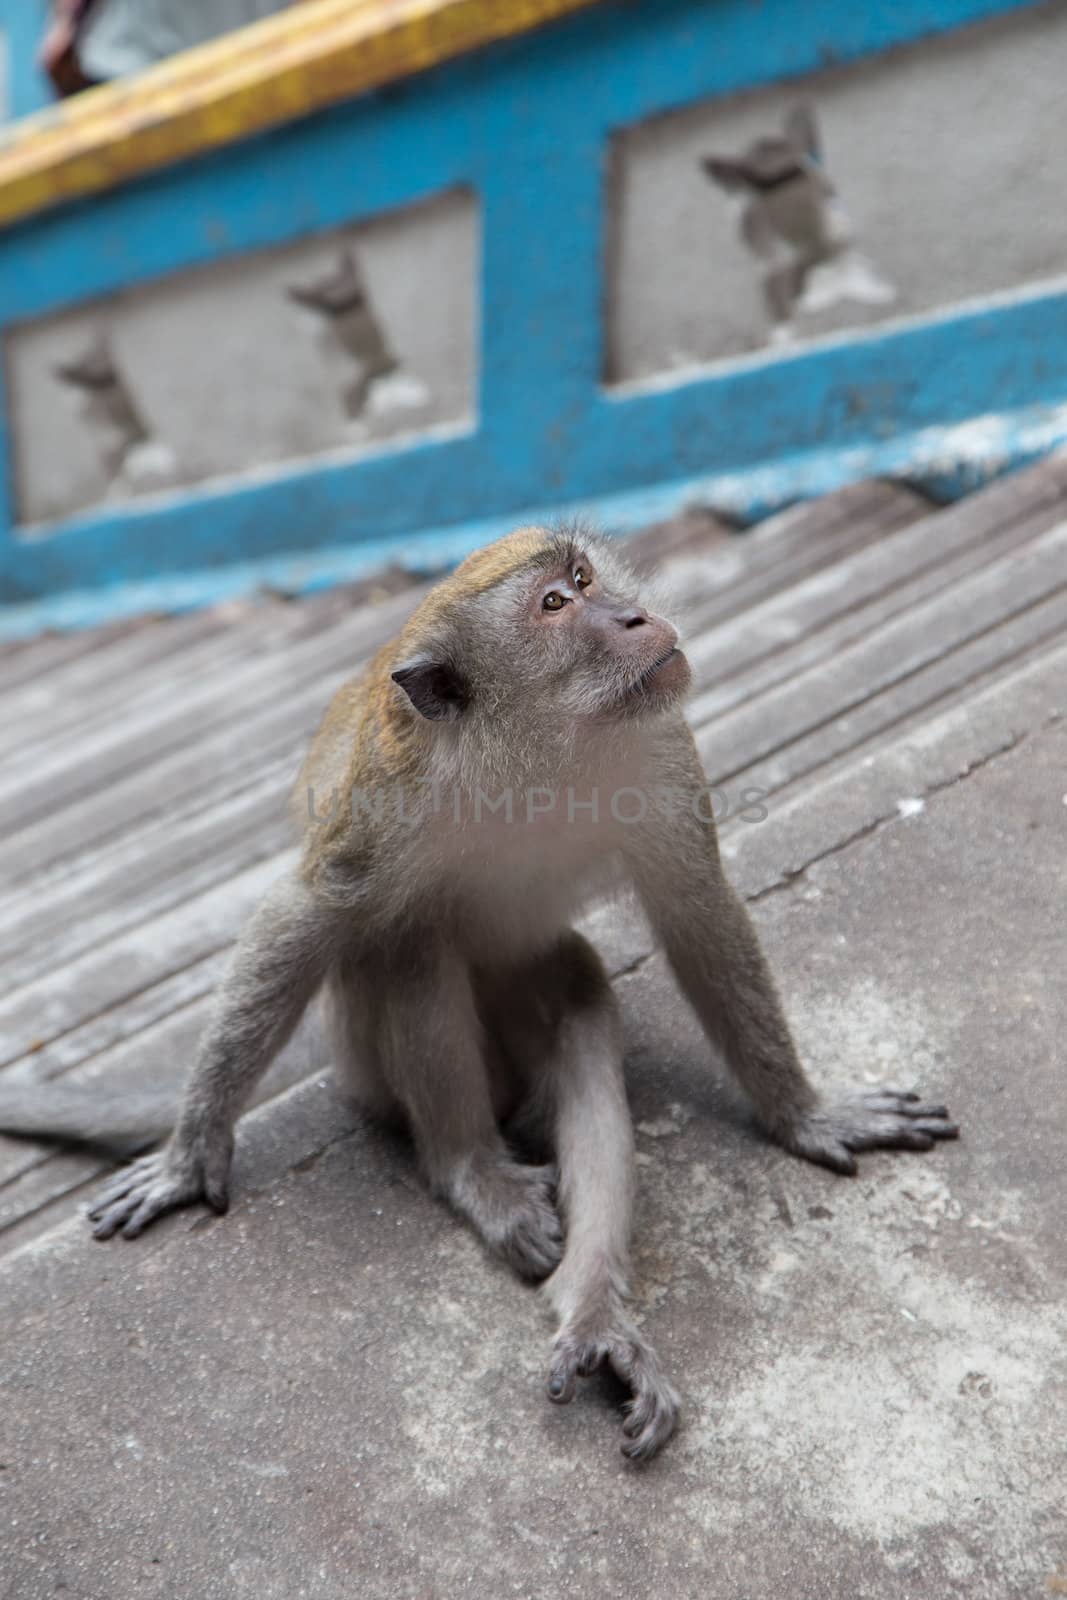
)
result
[(303, 58)]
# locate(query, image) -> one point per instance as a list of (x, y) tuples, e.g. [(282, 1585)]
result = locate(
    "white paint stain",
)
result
[(673, 1121), (868, 1033), (879, 1436)]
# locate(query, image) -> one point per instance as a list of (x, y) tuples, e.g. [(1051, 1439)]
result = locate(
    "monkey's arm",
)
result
[(715, 954), (280, 960)]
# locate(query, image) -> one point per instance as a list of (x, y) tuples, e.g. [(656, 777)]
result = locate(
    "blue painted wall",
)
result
[(527, 125)]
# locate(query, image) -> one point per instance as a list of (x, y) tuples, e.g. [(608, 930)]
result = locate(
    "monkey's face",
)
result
[(596, 650), (540, 632)]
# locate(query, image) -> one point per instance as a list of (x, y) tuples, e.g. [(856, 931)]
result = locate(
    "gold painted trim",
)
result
[(301, 59)]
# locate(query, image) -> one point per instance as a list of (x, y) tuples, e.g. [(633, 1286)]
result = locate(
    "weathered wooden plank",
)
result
[(146, 665), (256, 729), (147, 873), (99, 980), (733, 743), (780, 552), (45, 655), (161, 1055), (78, 682), (829, 632), (191, 646), (893, 560), (695, 531), (90, 1041), (203, 772), (262, 784), (29, 1196), (170, 721), (145, 728), (964, 669)]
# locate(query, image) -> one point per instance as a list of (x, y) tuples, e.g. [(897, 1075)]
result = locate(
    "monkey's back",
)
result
[(349, 744)]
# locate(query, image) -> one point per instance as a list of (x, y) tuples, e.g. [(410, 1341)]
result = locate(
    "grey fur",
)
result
[(461, 1000)]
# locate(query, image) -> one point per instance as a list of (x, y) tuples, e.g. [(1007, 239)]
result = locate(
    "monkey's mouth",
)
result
[(669, 674)]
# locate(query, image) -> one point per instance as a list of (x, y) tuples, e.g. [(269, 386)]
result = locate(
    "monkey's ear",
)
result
[(725, 171), (433, 686)]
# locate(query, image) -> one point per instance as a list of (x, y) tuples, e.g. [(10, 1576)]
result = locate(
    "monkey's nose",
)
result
[(632, 619)]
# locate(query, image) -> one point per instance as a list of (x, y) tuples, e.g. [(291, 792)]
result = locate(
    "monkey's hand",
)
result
[(582, 1347), (882, 1119), (513, 1207), (177, 1175)]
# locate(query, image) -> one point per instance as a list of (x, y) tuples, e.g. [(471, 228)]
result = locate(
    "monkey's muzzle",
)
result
[(666, 678)]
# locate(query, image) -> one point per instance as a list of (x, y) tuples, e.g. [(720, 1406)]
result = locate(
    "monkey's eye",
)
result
[(582, 578), (553, 601)]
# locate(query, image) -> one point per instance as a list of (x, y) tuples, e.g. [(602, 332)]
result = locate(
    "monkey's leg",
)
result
[(353, 1004), (278, 964), (433, 1051), (716, 956), (559, 1020)]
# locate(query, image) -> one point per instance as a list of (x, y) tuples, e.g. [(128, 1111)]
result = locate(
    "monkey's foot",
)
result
[(159, 1182), (883, 1119), (513, 1207), (651, 1413)]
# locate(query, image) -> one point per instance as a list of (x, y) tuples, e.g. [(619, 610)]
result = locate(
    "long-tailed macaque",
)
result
[(513, 754)]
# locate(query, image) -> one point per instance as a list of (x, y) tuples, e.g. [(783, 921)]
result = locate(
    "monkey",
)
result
[(484, 780), (342, 299), (793, 222)]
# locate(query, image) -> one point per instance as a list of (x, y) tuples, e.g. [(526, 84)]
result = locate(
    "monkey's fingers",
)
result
[(883, 1119), (889, 1120), (574, 1358), (535, 1246), (532, 1240), (121, 1214), (651, 1413), (569, 1361), (891, 1132), (124, 1181), (649, 1425), (139, 1194), (905, 1105)]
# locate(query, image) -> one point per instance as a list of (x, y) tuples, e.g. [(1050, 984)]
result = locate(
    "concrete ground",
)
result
[(332, 1392)]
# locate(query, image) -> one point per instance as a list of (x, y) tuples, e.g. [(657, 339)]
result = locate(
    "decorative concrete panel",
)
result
[(338, 343), (911, 181)]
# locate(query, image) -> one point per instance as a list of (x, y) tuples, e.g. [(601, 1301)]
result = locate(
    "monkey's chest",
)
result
[(517, 885)]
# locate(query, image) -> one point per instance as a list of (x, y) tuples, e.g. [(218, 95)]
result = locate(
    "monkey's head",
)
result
[(542, 628)]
